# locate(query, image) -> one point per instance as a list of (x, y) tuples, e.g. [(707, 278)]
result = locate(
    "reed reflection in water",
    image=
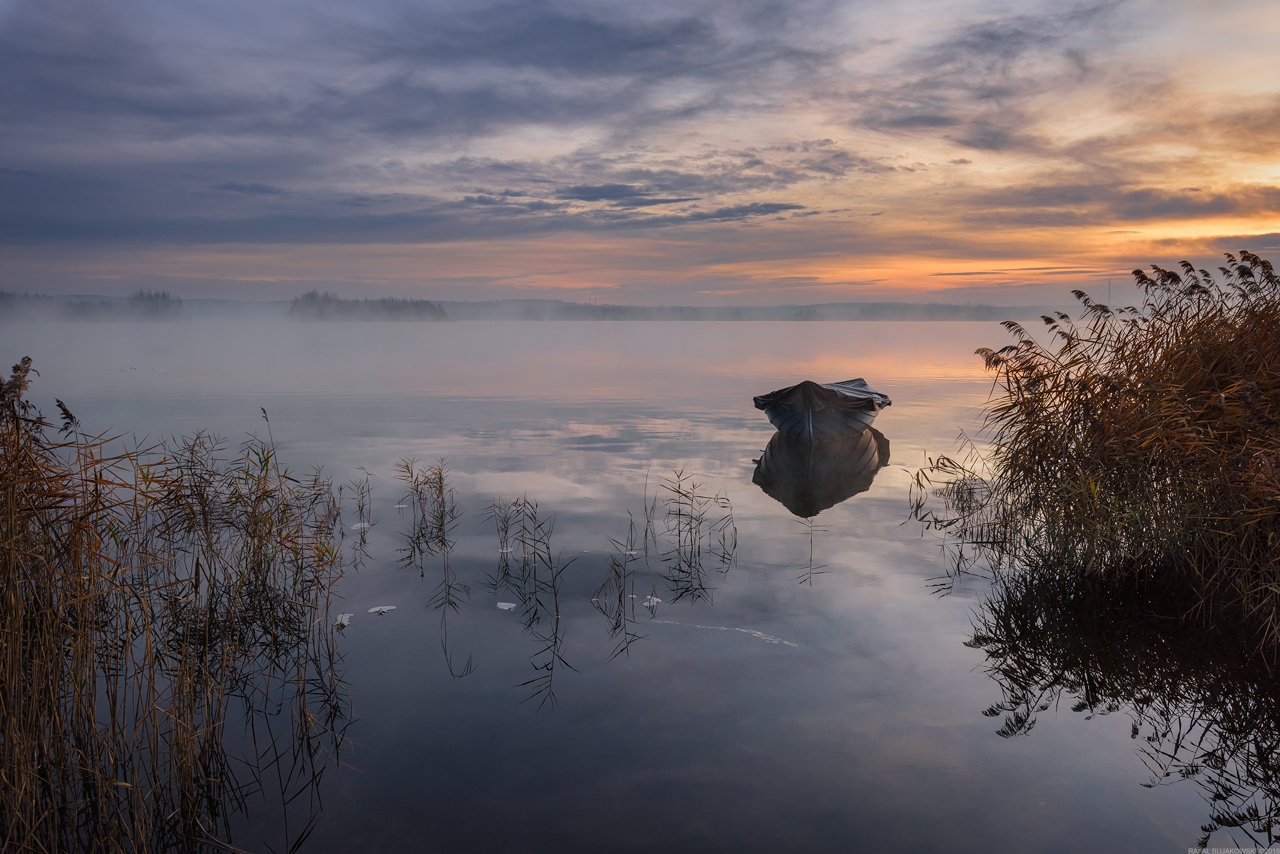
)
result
[(695, 533), (1205, 711)]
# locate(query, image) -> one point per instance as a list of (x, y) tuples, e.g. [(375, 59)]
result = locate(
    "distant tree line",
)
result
[(140, 304), (314, 305), (9, 298)]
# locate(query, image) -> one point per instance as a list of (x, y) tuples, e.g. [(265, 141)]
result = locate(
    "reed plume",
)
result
[(1139, 442)]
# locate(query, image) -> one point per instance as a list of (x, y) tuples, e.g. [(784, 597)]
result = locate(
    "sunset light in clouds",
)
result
[(713, 152)]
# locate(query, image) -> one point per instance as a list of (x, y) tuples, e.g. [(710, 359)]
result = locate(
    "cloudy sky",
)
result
[(699, 151)]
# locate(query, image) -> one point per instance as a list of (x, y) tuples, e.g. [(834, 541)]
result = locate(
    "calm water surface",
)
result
[(820, 697)]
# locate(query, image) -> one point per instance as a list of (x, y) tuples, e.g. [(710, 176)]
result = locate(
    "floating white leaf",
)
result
[(343, 620), (381, 609), (755, 633), (506, 606), (360, 526)]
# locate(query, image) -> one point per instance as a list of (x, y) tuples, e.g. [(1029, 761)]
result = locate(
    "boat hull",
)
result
[(822, 412)]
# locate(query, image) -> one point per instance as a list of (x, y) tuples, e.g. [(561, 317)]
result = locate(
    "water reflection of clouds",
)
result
[(874, 712)]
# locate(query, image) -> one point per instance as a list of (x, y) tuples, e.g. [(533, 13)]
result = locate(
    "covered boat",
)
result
[(808, 478), (821, 412)]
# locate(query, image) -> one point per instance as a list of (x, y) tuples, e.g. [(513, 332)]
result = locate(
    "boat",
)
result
[(807, 478), (821, 412)]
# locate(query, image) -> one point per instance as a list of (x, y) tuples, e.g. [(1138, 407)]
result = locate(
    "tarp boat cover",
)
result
[(821, 412)]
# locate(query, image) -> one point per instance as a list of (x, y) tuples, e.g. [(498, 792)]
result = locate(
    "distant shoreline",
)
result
[(74, 307)]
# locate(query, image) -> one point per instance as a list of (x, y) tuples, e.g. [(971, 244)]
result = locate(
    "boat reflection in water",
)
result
[(809, 477)]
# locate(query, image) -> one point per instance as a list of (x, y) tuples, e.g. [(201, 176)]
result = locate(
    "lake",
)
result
[(809, 691)]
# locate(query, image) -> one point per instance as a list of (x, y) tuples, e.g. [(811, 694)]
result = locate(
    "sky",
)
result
[(693, 152)]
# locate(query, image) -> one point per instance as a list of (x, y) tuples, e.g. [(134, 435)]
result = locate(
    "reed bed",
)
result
[(151, 598), (1137, 442)]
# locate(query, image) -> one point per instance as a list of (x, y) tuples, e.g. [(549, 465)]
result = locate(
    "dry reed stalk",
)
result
[(1139, 442), (691, 523), (150, 595)]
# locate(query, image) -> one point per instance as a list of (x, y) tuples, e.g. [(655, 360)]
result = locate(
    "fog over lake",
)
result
[(812, 692)]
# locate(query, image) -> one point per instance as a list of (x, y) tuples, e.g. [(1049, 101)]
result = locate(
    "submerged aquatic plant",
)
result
[(151, 598), (1139, 442)]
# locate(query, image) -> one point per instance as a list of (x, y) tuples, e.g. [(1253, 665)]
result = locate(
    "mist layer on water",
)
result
[(793, 687)]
